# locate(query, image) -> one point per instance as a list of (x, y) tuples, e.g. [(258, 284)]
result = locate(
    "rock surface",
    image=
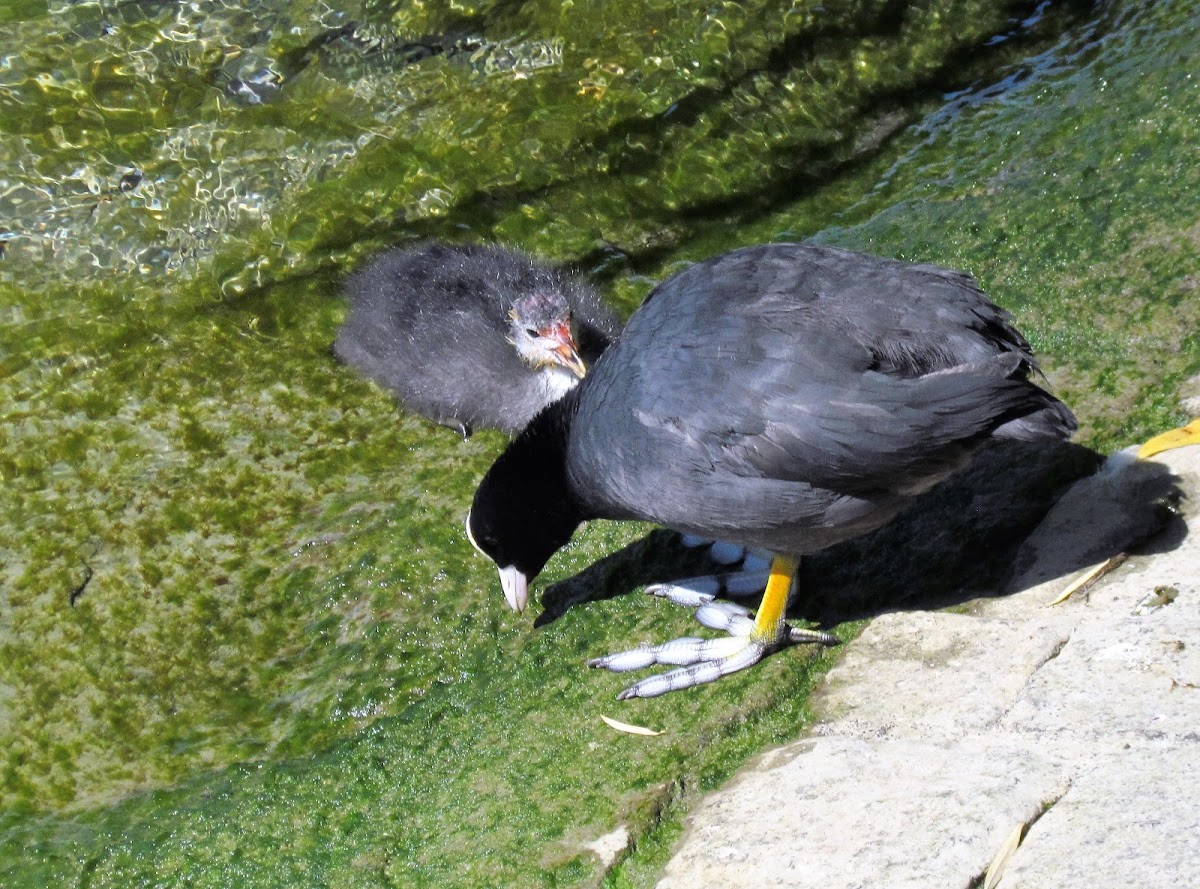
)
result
[(1075, 726)]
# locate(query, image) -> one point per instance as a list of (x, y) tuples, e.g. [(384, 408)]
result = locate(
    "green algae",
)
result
[(242, 640), (478, 794)]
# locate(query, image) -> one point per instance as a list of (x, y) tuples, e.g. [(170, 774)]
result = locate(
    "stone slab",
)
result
[(940, 734)]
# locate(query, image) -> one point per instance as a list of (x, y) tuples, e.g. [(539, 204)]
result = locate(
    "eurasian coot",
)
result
[(471, 336), (786, 396)]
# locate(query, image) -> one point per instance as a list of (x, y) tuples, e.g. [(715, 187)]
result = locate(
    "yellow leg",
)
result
[(1176, 438), (768, 622)]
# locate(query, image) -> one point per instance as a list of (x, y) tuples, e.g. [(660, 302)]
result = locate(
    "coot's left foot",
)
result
[(706, 660)]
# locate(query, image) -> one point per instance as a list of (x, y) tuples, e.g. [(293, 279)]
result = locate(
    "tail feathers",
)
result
[(1053, 420), (1039, 415), (1048, 418)]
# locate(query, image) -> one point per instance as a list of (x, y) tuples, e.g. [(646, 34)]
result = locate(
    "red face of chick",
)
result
[(540, 330)]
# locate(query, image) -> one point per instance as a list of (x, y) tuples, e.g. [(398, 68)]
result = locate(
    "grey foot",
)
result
[(705, 660), (696, 591)]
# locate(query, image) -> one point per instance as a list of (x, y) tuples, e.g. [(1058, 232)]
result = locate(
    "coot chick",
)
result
[(785, 396), (471, 336)]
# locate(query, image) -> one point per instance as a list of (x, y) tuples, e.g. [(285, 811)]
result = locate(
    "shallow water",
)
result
[(232, 581)]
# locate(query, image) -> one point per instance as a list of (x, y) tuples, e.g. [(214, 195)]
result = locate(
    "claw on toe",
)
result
[(798, 636)]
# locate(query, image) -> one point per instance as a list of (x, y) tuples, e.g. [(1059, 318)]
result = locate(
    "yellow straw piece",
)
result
[(629, 729), (996, 870), (1089, 577)]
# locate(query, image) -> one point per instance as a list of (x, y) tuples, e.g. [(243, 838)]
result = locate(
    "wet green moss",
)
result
[(479, 799)]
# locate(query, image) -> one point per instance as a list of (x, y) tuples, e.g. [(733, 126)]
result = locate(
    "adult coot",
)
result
[(786, 396), (471, 336)]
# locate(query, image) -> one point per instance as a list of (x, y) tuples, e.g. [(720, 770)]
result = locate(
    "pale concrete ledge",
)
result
[(942, 733)]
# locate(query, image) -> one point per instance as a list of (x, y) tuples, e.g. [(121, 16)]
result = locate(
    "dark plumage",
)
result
[(471, 336), (785, 396)]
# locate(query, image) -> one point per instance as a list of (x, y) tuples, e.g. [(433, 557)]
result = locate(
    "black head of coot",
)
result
[(523, 511)]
